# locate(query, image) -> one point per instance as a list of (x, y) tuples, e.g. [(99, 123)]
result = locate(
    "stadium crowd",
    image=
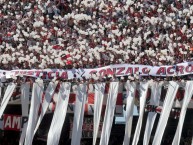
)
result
[(86, 33)]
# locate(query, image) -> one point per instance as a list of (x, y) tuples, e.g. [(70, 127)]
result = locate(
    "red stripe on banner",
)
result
[(16, 93), (137, 94), (119, 99), (158, 110), (86, 109), (43, 96), (91, 98), (180, 94), (107, 88), (40, 107), (72, 98), (53, 106), (57, 88), (148, 93)]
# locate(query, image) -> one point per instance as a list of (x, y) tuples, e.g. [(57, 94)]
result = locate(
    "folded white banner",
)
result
[(187, 97), (59, 114), (143, 93), (37, 93), (131, 90), (46, 101), (99, 95), (109, 113), (154, 100), (79, 114), (7, 96), (167, 106), (25, 108)]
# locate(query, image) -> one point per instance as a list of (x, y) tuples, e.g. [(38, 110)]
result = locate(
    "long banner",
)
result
[(180, 69)]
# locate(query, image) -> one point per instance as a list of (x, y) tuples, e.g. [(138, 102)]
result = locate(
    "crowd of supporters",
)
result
[(86, 33)]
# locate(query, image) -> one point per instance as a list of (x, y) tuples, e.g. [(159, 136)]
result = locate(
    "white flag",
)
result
[(7, 96), (48, 96), (109, 113), (187, 97), (25, 108), (143, 93), (167, 106), (37, 93), (59, 114), (78, 114), (98, 103), (131, 90), (155, 96)]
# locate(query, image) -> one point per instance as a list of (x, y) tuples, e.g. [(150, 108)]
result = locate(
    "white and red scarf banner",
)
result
[(79, 114), (109, 113), (143, 93), (131, 91), (186, 101), (25, 108), (7, 96), (46, 98), (37, 92), (99, 95), (117, 69), (59, 114), (154, 100), (167, 106)]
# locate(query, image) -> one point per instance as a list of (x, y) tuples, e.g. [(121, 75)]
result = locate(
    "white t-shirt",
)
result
[(50, 10)]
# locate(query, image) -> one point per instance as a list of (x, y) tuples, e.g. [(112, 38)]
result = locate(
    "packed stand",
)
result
[(72, 33)]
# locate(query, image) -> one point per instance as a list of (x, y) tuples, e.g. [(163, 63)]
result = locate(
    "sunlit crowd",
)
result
[(72, 33)]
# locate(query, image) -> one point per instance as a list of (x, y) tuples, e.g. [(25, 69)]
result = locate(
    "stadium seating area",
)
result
[(73, 33)]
